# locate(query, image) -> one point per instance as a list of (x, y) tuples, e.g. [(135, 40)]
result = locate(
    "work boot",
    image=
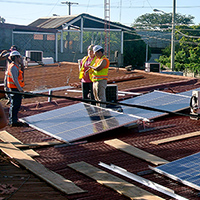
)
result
[(19, 124)]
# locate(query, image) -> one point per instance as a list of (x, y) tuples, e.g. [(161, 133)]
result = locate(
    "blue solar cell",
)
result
[(77, 121), (189, 93), (186, 170), (80, 120), (159, 100)]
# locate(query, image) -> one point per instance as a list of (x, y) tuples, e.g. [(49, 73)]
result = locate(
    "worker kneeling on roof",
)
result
[(15, 82), (100, 74)]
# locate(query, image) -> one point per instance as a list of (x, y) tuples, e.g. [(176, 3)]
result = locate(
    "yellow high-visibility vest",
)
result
[(102, 74), (81, 73)]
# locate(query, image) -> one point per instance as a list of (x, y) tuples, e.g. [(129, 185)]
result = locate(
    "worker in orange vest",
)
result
[(5, 55), (15, 82)]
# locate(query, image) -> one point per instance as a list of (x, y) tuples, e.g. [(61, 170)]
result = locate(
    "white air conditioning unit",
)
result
[(152, 67), (34, 55)]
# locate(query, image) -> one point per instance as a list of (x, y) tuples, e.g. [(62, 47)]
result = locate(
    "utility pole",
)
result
[(173, 35), (68, 35), (69, 5)]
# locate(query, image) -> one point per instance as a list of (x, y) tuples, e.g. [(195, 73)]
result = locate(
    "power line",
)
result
[(29, 94), (95, 5), (69, 5)]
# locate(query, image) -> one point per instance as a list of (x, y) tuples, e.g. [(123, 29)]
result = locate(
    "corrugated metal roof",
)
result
[(90, 21), (52, 22), (15, 27), (55, 21)]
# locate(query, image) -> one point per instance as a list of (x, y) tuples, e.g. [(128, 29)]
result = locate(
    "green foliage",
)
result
[(160, 20), (134, 46), (187, 53), (134, 50)]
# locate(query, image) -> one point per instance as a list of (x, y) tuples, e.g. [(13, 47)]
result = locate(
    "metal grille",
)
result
[(30, 42)]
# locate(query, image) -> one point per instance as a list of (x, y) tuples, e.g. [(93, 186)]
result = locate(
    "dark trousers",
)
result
[(15, 103), (87, 91)]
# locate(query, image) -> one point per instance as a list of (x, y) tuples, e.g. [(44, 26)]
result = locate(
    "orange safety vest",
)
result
[(102, 74), (10, 82), (81, 74)]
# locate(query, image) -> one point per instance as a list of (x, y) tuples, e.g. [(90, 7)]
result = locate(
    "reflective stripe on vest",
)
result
[(102, 74), (10, 82), (81, 74)]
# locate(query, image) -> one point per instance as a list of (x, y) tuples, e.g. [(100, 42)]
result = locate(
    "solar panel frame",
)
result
[(77, 121), (158, 100), (185, 170), (189, 92), (88, 119)]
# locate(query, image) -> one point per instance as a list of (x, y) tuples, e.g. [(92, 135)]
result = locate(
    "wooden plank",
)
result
[(7, 137), (111, 181), (40, 170), (142, 180), (38, 144), (118, 144), (31, 152), (179, 137)]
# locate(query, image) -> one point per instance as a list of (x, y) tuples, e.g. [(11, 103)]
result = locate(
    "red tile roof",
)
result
[(95, 150)]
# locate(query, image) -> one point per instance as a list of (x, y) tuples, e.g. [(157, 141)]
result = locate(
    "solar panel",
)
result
[(159, 100), (77, 121), (189, 93), (185, 170), (81, 120)]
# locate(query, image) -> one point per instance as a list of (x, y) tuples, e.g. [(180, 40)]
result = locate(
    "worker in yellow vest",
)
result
[(85, 74), (100, 74)]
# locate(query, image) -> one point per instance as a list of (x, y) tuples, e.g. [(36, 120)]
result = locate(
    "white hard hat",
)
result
[(14, 53), (97, 48)]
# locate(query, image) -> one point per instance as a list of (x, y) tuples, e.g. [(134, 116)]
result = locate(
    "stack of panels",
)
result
[(185, 170), (159, 100), (77, 121)]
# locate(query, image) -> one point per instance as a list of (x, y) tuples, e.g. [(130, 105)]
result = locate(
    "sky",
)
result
[(23, 12)]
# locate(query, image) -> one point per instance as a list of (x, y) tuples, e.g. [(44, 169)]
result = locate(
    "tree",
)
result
[(134, 50), (159, 21), (187, 51)]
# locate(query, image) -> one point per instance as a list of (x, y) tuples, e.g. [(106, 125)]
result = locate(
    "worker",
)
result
[(100, 75), (3, 119), (86, 72), (15, 83), (5, 55)]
